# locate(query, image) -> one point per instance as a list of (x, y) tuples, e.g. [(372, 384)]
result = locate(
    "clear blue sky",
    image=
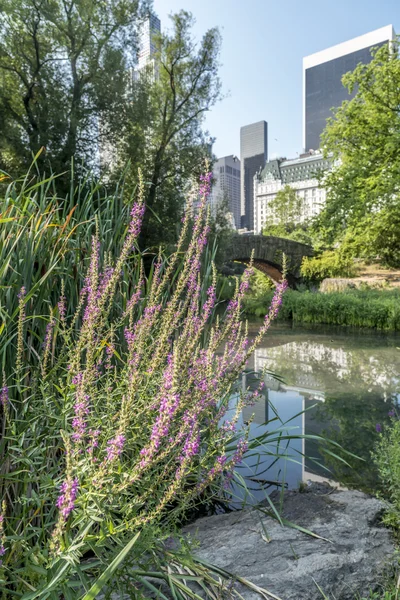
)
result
[(263, 44)]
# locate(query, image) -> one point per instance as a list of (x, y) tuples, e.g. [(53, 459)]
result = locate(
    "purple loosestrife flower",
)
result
[(91, 284), (66, 500), (115, 447), (49, 331), (81, 409), (205, 185), (392, 413), (378, 427), (2, 534), (62, 310), (239, 452), (104, 281), (94, 440), (168, 405), (135, 297), (4, 397), (110, 350), (137, 214)]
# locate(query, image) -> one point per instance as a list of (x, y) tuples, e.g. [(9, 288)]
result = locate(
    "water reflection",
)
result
[(346, 382)]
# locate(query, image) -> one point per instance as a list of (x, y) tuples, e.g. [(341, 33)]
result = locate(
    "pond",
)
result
[(334, 382)]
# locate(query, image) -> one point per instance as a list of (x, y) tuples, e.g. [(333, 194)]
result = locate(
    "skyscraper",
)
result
[(150, 28), (253, 155), (226, 175), (322, 80)]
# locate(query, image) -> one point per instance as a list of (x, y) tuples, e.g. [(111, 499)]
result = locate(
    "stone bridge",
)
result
[(268, 255)]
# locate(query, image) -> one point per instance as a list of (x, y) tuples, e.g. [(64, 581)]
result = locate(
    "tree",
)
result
[(286, 207), (364, 138), (162, 126), (63, 66), (285, 219)]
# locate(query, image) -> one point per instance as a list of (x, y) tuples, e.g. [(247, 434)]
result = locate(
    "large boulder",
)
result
[(291, 564)]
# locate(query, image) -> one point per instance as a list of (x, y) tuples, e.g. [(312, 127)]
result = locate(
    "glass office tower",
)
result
[(322, 80), (253, 156)]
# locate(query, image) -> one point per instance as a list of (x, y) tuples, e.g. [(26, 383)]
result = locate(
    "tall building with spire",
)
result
[(322, 80)]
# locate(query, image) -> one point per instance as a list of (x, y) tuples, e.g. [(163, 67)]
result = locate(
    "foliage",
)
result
[(330, 263), (285, 217), (161, 129), (375, 237), (221, 229), (355, 415), (63, 69), (45, 238), (356, 308), (364, 139), (112, 430), (387, 459), (285, 207), (69, 86), (298, 233), (226, 286)]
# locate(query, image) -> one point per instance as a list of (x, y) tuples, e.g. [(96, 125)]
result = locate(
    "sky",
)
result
[(263, 44)]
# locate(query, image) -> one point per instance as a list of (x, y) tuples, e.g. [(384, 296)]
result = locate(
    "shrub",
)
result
[(387, 459), (357, 308), (329, 264), (112, 433)]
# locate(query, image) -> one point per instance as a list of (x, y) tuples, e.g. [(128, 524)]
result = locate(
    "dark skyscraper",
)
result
[(253, 156), (322, 80)]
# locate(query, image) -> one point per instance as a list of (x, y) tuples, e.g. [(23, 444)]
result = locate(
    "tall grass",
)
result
[(45, 238), (379, 309)]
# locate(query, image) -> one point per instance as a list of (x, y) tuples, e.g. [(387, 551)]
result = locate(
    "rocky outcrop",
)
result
[(342, 285), (290, 564)]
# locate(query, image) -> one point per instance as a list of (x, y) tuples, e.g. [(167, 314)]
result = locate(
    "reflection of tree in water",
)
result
[(360, 379), (353, 418), (329, 367)]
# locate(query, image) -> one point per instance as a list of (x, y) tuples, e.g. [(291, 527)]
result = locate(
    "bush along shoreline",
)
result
[(378, 309)]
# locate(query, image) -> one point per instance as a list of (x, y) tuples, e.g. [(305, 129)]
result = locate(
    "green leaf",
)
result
[(104, 577)]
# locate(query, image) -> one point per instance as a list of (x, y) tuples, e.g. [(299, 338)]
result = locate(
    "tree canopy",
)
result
[(364, 138), (161, 128), (285, 219), (63, 67)]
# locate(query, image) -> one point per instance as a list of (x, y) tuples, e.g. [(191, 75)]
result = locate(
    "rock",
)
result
[(291, 563), (341, 285)]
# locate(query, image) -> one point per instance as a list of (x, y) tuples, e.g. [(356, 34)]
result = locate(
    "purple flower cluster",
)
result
[(62, 309), (66, 500), (2, 536), (137, 214), (48, 334), (168, 405), (240, 451), (93, 440), (4, 396), (205, 184), (115, 447), (81, 409), (136, 296)]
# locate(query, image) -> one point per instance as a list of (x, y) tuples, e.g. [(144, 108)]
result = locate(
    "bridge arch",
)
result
[(268, 255)]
